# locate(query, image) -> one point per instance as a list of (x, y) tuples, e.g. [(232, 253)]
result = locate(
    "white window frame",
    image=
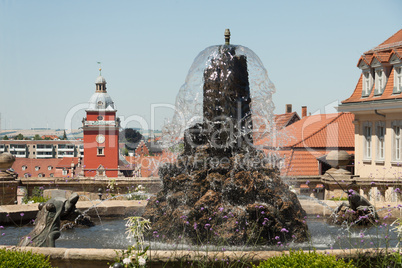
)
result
[(37, 168), (368, 145), (64, 172), (379, 81), (101, 151), (380, 133), (398, 78), (396, 141), (49, 168), (24, 167), (367, 82)]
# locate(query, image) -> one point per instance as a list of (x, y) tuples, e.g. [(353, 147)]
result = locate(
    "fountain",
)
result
[(222, 189), (48, 221)]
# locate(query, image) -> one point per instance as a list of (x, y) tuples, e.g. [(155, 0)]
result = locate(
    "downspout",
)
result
[(377, 113)]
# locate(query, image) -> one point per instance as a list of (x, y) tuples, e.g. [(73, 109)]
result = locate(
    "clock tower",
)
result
[(101, 134)]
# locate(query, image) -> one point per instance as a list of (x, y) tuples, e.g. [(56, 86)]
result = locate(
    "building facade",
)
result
[(43, 149), (376, 103)]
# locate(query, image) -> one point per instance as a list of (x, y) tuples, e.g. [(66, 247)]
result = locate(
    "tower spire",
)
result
[(100, 68)]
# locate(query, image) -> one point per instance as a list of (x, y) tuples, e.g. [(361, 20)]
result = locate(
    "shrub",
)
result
[(21, 259), (297, 259), (37, 196)]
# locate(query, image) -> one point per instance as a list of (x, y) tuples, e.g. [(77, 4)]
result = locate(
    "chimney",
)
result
[(288, 108), (304, 111)]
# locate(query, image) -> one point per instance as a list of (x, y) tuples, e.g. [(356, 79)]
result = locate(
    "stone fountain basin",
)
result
[(126, 208), (105, 209)]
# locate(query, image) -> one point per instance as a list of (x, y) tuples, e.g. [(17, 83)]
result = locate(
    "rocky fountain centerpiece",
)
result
[(222, 189)]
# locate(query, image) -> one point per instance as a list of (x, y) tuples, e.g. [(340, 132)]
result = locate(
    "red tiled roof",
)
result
[(150, 164), (283, 120), (397, 37), (30, 165), (310, 138), (65, 162), (383, 53), (53, 137)]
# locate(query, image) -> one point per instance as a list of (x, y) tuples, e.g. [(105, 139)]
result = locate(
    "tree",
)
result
[(5, 138), (19, 137), (37, 137), (124, 151), (64, 135), (130, 137)]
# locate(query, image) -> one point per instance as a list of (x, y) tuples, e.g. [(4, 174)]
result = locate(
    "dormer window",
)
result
[(379, 81), (37, 168), (367, 82), (24, 167), (398, 79)]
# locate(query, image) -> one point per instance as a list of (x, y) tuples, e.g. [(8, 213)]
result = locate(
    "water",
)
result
[(111, 234), (189, 101)]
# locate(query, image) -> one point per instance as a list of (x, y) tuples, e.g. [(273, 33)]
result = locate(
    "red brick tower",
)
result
[(101, 134)]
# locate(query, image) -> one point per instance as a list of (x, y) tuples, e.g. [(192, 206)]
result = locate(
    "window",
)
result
[(367, 130), (379, 81), (65, 172), (101, 151), (380, 129), (49, 167), (398, 79), (37, 168), (24, 167), (367, 83), (51, 175), (40, 175), (396, 141)]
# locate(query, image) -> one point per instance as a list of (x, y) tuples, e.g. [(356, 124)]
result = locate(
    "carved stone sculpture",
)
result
[(359, 210), (47, 223), (6, 162)]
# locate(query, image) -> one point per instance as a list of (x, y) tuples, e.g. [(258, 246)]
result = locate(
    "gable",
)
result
[(395, 59)]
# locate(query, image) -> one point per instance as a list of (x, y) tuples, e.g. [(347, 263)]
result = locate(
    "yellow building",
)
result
[(377, 105)]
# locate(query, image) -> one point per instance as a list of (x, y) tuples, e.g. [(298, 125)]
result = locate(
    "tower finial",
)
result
[(100, 68), (227, 37)]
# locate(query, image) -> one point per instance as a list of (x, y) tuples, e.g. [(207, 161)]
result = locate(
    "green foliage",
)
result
[(19, 137), (124, 151), (135, 256), (130, 137), (37, 196), (300, 259), (380, 260), (5, 138), (339, 199), (21, 259), (37, 137)]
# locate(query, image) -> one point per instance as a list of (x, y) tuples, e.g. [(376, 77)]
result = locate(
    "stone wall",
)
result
[(8, 192)]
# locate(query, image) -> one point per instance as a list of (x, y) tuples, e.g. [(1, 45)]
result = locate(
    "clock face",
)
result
[(100, 138), (100, 117)]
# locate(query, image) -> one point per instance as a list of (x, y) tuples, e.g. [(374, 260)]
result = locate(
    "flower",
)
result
[(22, 214), (126, 260), (142, 261), (284, 230)]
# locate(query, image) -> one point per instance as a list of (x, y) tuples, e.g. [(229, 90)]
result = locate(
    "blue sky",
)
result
[(49, 51)]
